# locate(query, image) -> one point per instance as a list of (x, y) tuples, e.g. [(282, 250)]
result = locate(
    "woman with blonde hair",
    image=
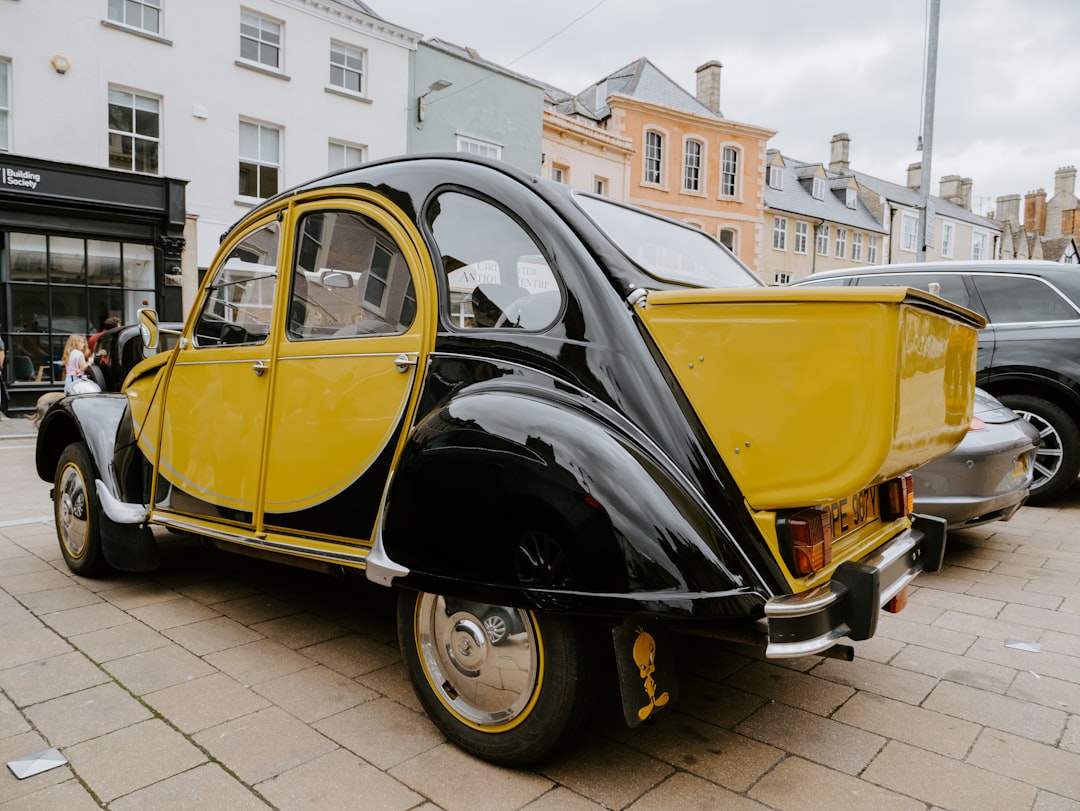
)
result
[(76, 363)]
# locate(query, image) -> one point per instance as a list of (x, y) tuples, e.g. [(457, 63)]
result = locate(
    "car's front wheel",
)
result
[(78, 512), (512, 706), (1057, 461)]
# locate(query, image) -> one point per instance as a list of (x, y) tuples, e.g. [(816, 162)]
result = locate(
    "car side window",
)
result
[(495, 274), (1022, 299), (951, 285), (239, 306), (349, 278)]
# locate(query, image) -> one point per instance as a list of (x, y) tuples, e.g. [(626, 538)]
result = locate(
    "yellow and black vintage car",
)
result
[(562, 427)]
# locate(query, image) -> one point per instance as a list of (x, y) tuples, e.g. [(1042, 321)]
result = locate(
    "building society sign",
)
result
[(19, 178)]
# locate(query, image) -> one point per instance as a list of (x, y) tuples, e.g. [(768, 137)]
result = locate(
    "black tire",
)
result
[(555, 664), (78, 512), (1057, 461)]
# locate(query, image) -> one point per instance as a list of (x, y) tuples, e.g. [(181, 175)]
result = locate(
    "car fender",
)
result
[(513, 495)]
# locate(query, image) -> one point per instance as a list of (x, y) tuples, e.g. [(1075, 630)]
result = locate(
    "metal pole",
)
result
[(930, 81)]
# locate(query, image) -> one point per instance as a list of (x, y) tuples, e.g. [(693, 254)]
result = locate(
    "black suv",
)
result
[(1029, 354)]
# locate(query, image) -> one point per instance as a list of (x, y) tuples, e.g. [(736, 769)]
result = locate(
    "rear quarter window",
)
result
[(1022, 299)]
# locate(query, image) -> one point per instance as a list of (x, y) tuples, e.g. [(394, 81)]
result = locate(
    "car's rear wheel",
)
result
[(1057, 462), (78, 512), (512, 706)]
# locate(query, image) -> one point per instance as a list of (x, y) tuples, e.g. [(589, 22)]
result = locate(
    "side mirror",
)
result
[(148, 329)]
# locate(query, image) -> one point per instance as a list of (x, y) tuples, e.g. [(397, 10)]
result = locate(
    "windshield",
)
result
[(667, 250)]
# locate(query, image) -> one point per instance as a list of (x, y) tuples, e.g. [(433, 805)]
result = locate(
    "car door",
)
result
[(347, 363), (213, 408)]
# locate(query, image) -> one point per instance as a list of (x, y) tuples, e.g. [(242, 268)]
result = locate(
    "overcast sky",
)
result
[(1007, 110)]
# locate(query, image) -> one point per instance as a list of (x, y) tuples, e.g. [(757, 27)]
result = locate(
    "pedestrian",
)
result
[(76, 363), (110, 322), (5, 398)]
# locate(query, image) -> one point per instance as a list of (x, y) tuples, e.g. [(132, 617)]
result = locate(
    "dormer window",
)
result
[(852, 196), (818, 190), (776, 178)]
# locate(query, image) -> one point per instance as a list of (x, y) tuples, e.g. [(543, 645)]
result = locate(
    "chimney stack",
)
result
[(838, 156), (1008, 209), (1035, 212), (914, 175), (708, 85), (965, 193), (950, 189), (1065, 181)]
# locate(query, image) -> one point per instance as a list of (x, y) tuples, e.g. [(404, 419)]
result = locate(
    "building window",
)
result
[(822, 240), (802, 236), (142, 14), (560, 174), (599, 185), (474, 146), (841, 243), (817, 188), (260, 159), (341, 155), (134, 131), (776, 178), (781, 278), (260, 40), (871, 249), (978, 245), (692, 167), (947, 239), (654, 154), (856, 246), (779, 234), (729, 172), (852, 198), (347, 68), (5, 106), (909, 226), (729, 239)]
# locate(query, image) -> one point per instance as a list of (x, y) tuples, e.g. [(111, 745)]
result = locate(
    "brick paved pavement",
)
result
[(220, 682)]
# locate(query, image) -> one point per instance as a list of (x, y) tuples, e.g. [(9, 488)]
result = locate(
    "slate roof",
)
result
[(796, 198), (642, 80), (471, 55), (910, 197)]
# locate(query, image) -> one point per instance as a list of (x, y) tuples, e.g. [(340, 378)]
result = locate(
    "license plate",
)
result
[(848, 514)]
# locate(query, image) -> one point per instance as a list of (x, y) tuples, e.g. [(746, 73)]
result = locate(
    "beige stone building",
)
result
[(1044, 228)]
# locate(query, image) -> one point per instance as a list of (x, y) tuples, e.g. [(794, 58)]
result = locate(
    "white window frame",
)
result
[(5, 105), (140, 102), (478, 146), (120, 13), (856, 246), (343, 59), (851, 198), (841, 243), (817, 188), (948, 239), (350, 155), (652, 167), (729, 171), (781, 278), (560, 173), (802, 236), (600, 185), (871, 249), (734, 246), (692, 163), (909, 232), (776, 178), (260, 160), (779, 233), (267, 29), (980, 242), (821, 239)]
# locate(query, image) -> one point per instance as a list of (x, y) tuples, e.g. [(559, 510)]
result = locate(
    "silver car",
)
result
[(987, 476)]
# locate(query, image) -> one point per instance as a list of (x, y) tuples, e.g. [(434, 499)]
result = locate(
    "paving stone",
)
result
[(945, 782), (438, 775), (22, 745), (796, 783), (212, 592), (11, 720), (821, 740), (1034, 763), (52, 600), (998, 712), (964, 603), (877, 678), (928, 636), (1052, 802), (204, 787), (393, 682), (941, 733), (560, 798), (382, 732), (960, 669), (212, 635), (29, 582), (338, 780), (1061, 666), (609, 773), (173, 613), (716, 703), (132, 758), (353, 655), (1047, 691), (1041, 618), (796, 689), (49, 678), (315, 693), (137, 595), (83, 619), (69, 796), (80, 716), (205, 702), (263, 744), (118, 641), (1016, 595), (29, 646), (259, 661), (982, 627), (686, 791), (258, 607), (155, 669)]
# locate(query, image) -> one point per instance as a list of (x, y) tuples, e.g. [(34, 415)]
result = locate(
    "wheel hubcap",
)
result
[(1048, 457), (71, 511), (484, 685)]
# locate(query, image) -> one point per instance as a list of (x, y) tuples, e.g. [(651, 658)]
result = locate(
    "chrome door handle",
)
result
[(260, 366), (402, 362)]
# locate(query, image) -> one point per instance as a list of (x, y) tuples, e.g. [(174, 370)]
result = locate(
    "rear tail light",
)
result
[(898, 497), (976, 424), (810, 533)]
